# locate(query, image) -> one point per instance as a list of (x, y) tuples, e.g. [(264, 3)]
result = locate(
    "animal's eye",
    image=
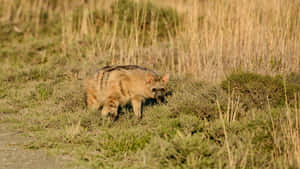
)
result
[(154, 90)]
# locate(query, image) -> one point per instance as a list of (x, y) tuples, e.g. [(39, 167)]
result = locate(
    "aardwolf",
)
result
[(113, 86)]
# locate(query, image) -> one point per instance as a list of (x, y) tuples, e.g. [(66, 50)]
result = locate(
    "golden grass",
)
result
[(215, 37)]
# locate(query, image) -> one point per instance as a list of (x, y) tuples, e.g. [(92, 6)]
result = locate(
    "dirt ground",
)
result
[(13, 156)]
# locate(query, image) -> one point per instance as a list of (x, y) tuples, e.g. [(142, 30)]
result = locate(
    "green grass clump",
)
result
[(132, 140), (196, 98), (258, 91), (149, 19), (44, 91), (293, 78), (182, 152)]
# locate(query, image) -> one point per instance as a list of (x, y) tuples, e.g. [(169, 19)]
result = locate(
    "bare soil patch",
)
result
[(13, 156)]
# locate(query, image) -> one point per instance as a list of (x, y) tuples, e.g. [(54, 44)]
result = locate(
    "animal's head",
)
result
[(156, 86)]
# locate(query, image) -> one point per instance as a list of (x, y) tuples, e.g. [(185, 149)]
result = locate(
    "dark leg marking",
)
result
[(102, 80), (106, 78), (128, 92), (122, 88)]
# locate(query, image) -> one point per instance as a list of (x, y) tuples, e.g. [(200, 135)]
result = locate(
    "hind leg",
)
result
[(110, 108), (92, 101)]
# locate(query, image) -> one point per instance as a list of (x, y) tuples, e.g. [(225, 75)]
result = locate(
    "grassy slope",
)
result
[(43, 63)]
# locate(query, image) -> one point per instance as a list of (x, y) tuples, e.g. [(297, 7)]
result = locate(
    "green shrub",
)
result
[(114, 143), (257, 91), (181, 152), (196, 98)]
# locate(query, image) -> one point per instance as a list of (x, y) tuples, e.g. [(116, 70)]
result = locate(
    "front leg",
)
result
[(137, 106), (110, 108)]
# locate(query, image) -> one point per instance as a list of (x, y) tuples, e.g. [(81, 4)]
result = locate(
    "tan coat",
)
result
[(112, 86)]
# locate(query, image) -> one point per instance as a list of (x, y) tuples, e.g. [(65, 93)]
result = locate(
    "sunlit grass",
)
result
[(218, 116)]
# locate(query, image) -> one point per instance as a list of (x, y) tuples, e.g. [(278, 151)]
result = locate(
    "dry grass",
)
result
[(214, 38), (48, 46)]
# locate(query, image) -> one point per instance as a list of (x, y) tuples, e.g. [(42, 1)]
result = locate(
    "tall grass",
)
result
[(211, 38), (45, 45)]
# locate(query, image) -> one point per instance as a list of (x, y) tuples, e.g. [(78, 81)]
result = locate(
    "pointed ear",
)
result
[(149, 78), (165, 78)]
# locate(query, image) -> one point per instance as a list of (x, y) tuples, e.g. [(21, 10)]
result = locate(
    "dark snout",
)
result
[(160, 96)]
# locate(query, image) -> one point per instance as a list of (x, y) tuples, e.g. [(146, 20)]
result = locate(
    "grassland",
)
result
[(235, 78)]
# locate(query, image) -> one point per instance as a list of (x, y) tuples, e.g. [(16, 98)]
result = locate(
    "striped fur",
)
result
[(113, 86)]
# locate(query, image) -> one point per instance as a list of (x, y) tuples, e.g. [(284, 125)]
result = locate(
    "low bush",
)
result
[(196, 98), (258, 91)]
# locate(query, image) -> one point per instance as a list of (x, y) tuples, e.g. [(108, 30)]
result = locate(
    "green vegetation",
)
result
[(187, 132), (145, 17), (244, 120), (195, 98), (258, 91)]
